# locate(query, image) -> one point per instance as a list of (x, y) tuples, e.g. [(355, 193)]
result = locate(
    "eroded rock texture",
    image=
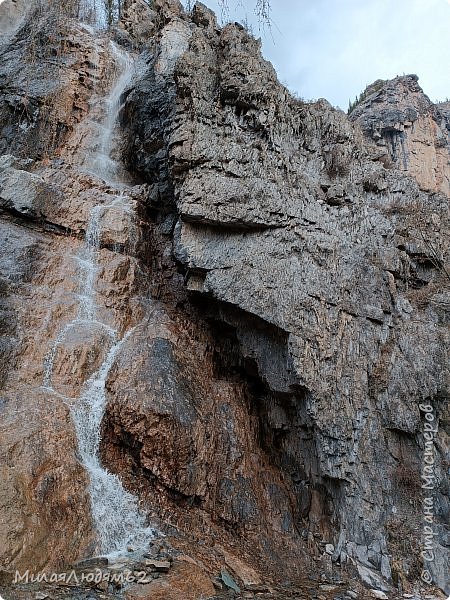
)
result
[(285, 292), (327, 267), (45, 199), (411, 130)]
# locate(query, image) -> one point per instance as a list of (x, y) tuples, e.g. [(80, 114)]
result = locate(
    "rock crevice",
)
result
[(284, 282)]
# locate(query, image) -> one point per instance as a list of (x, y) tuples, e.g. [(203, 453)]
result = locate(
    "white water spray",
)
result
[(118, 521), (115, 511), (94, 12), (105, 165)]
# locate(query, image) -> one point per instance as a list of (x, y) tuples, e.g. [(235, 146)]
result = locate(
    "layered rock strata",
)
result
[(329, 268), (286, 293), (409, 130)]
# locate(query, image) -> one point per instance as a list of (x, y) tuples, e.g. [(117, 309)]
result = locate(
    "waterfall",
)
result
[(94, 12), (87, 263), (116, 516), (105, 165)]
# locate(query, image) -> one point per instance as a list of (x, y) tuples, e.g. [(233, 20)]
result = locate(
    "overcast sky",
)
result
[(333, 48)]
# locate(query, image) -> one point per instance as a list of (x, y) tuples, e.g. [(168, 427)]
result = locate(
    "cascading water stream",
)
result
[(94, 12), (104, 165), (115, 512), (118, 521)]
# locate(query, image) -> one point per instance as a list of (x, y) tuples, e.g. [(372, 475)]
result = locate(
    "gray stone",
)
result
[(229, 581), (316, 289), (22, 192), (174, 42), (378, 594), (327, 587), (95, 561), (372, 578), (8, 160), (439, 567), (12, 15), (162, 566)]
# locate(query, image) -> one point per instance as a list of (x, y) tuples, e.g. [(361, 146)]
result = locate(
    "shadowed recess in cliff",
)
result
[(260, 418), (330, 261)]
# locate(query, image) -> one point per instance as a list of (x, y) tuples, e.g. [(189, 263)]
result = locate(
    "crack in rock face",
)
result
[(229, 303)]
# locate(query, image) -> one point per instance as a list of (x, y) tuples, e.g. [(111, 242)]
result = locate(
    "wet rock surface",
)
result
[(285, 302), (45, 207)]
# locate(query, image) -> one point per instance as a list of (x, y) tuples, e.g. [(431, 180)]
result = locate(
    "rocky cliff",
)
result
[(277, 286), (410, 131)]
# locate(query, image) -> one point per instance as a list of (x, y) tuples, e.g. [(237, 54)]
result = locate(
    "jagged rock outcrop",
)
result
[(283, 215), (410, 131), (285, 296)]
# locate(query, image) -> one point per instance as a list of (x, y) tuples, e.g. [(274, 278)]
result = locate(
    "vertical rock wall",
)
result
[(284, 216), (288, 292), (411, 130)]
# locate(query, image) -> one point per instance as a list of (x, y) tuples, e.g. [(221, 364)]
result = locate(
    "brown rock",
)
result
[(245, 573), (44, 512), (184, 582), (412, 130)]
